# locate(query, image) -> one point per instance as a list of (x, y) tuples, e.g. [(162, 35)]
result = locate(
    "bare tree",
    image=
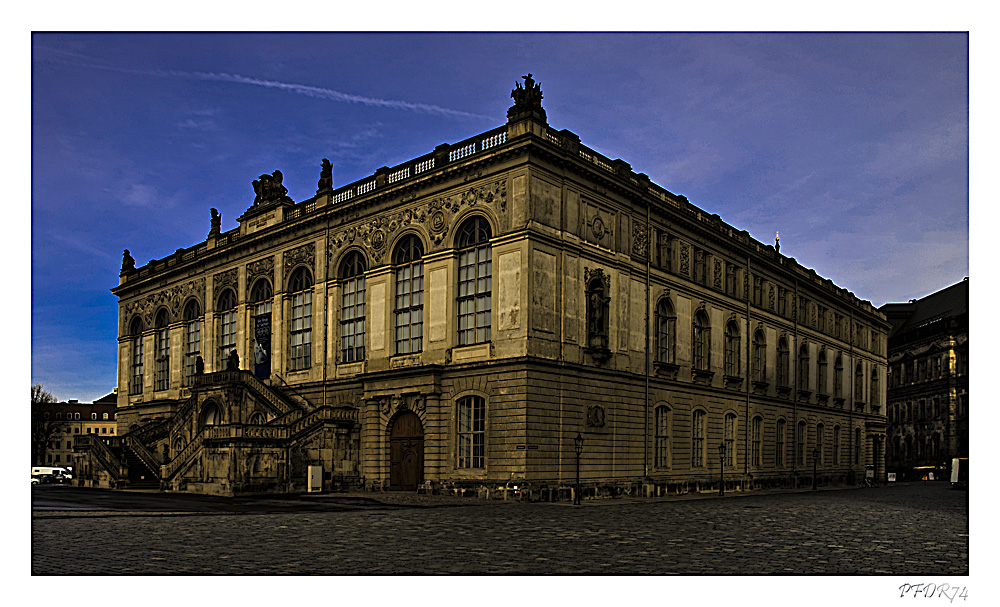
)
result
[(43, 423)]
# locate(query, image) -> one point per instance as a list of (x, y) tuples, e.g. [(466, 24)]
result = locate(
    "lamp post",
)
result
[(815, 458), (578, 445), (722, 468)]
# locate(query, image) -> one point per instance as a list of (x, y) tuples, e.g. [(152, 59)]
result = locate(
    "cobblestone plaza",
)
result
[(912, 530)]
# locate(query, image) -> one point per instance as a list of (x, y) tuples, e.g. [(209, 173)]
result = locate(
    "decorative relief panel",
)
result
[(640, 239), (305, 254), (718, 275), (229, 278), (255, 269), (685, 260), (595, 416), (588, 274), (436, 215), (172, 298), (770, 297)]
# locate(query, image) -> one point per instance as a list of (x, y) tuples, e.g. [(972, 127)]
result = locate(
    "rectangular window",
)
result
[(698, 439), (730, 440), (409, 308), (779, 444), (800, 445), (300, 334), (192, 348), (471, 432), (819, 443), (162, 375), (227, 337), (755, 429), (662, 437), (475, 287), (352, 320), (135, 386), (836, 445)]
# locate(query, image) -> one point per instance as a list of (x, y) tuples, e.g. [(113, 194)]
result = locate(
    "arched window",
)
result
[(178, 445), (471, 432), (756, 426), (838, 377), (820, 428), (875, 400), (135, 334), (666, 324), (759, 357), (211, 415), (836, 445), (732, 353), (859, 383), (779, 444), (300, 285), (598, 308), (409, 295), (702, 342), (192, 340), (857, 446), (93, 416), (821, 370), (475, 281), (697, 439), (161, 378), (76, 416), (256, 419), (783, 378), (352, 308), (662, 447), (729, 438), (58, 415), (104, 416), (804, 367), (261, 296), (800, 445), (226, 310)]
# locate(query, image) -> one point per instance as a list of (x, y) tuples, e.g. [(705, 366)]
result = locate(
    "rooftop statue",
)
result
[(529, 96), (269, 189), (128, 263), (216, 222), (325, 177)]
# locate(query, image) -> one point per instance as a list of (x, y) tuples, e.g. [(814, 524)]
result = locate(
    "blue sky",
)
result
[(854, 146)]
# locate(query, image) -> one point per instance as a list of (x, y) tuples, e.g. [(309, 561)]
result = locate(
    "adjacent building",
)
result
[(73, 418), (469, 317), (928, 396)]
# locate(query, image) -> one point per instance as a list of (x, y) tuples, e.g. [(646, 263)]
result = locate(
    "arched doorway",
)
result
[(406, 452)]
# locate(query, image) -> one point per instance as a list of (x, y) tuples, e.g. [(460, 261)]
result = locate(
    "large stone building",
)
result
[(457, 321), (928, 412)]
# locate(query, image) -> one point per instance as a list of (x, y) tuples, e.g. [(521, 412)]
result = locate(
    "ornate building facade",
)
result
[(928, 412), (457, 321)]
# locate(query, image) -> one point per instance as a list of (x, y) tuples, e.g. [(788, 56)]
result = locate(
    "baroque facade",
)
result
[(928, 392), (455, 322), (73, 418)]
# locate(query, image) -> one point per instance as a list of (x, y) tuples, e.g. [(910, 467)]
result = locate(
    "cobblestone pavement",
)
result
[(918, 529)]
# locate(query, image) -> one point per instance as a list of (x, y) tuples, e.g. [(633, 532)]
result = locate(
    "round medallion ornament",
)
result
[(437, 222), (378, 240), (598, 228)]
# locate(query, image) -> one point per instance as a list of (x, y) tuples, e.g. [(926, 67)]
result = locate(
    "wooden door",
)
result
[(406, 452)]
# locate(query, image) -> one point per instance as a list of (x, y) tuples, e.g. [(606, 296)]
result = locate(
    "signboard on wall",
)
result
[(262, 346)]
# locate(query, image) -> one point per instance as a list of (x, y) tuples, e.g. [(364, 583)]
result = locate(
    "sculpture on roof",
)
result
[(325, 177), (128, 263), (216, 222), (268, 188), (530, 95)]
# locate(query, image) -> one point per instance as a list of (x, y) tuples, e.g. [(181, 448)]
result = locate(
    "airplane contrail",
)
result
[(301, 89)]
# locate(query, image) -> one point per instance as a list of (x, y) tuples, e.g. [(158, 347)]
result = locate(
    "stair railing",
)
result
[(145, 456), (170, 468)]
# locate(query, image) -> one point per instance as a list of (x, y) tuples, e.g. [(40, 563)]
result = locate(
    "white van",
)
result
[(60, 473)]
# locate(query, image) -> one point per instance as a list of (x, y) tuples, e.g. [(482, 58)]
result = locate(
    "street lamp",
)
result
[(578, 444), (815, 458), (722, 468)]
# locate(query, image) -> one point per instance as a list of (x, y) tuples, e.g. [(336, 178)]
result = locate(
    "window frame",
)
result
[(300, 295), (470, 432), (353, 307), (408, 308), (161, 373), (474, 301), (192, 340), (136, 328), (661, 444), (227, 313), (698, 438)]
